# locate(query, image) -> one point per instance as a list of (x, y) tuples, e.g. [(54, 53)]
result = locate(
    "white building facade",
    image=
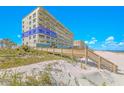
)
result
[(41, 29)]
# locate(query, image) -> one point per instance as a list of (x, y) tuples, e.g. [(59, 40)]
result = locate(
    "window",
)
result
[(34, 31), (34, 36), (29, 17), (34, 26), (29, 37), (34, 41), (48, 41), (40, 19), (40, 24), (41, 36), (26, 43), (30, 23), (48, 37), (40, 13), (52, 38), (34, 15), (34, 20)]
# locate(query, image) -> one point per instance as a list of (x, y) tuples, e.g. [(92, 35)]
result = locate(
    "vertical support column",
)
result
[(42, 48), (99, 63), (61, 52), (47, 49), (114, 68), (53, 50), (86, 54), (72, 55)]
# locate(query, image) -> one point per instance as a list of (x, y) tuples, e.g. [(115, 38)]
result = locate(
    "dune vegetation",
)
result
[(23, 56)]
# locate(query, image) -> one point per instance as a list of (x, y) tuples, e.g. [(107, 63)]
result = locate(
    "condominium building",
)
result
[(41, 29), (78, 44)]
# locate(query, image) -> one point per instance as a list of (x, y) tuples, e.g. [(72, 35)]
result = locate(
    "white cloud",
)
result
[(110, 38), (92, 41), (93, 38), (103, 45), (121, 44), (108, 44), (19, 36), (86, 42), (110, 41)]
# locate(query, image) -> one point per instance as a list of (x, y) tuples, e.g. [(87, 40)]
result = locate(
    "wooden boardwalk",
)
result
[(101, 62)]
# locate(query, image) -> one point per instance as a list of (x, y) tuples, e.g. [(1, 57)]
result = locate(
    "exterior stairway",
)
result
[(101, 62)]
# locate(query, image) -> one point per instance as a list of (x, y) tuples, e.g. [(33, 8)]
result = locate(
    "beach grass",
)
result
[(17, 79), (18, 57)]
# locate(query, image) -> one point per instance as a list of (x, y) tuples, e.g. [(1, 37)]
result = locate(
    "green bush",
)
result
[(104, 84), (45, 79), (26, 48)]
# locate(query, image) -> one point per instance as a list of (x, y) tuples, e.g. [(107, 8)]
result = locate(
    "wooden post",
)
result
[(47, 49), (99, 63), (72, 54), (86, 54), (53, 50), (81, 65), (41, 49), (114, 68), (61, 52)]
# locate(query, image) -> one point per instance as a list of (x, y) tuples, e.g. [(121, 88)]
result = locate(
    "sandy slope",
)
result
[(65, 73)]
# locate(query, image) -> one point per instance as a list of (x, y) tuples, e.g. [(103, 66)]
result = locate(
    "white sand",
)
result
[(65, 73), (117, 58)]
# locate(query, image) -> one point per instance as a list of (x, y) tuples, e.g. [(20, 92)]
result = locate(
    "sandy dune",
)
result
[(68, 74), (65, 73)]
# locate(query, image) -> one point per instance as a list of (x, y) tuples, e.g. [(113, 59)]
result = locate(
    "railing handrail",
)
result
[(88, 50)]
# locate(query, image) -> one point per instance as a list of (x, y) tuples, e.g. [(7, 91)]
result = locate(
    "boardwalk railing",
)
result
[(88, 54), (101, 62), (69, 52)]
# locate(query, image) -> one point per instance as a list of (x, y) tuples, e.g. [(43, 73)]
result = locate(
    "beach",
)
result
[(115, 57)]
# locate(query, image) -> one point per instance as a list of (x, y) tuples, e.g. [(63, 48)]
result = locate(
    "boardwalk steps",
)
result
[(101, 62)]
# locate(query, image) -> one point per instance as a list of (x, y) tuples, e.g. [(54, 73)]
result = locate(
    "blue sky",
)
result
[(100, 27)]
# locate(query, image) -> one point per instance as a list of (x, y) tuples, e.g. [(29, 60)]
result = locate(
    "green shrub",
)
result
[(45, 79), (26, 48), (31, 81), (16, 79), (104, 84)]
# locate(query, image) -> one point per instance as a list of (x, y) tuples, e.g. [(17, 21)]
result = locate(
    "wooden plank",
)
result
[(99, 63), (87, 53)]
